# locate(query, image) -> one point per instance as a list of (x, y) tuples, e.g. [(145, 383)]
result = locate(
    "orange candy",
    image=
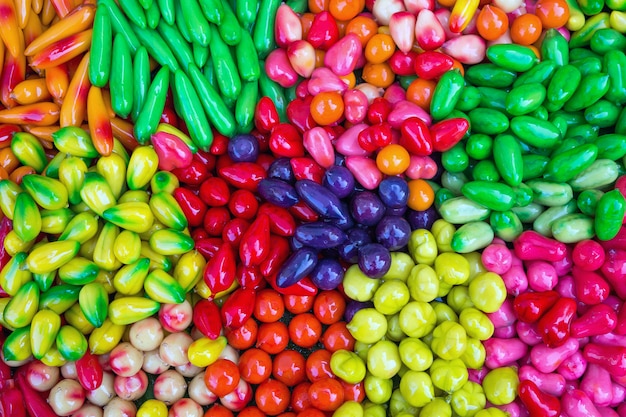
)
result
[(327, 108), (379, 48), (345, 9), (379, 75), (491, 22), (420, 92), (421, 195), (393, 160), (526, 29), (317, 6), (364, 27), (552, 13)]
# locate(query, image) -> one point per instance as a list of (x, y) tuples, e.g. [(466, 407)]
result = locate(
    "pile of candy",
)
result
[(351, 208)]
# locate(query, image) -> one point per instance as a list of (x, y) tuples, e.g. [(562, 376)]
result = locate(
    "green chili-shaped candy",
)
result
[(181, 23), (168, 11), (134, 12), (229, 29), (247, 58), (566, 165), (141, 80), (226, 71), (609, 214), (215, 108), (246, 11), (611, 146), (507, 155), (157, 47), (153, 15), (512, 57), (488, 121), (245, 106), (120, 25), (263, 34), (446, 94), (490, 75), (192, 112), (493, 195), (554, 47), (200, 54), (493, 98), (121, 84), (591, 89), (525, 98), (200, 29), (150, 114), (101, 41), (602, 113), (177, 44), (614, 64), (541, 73), (588, 65), (535, 132), (213, 10)]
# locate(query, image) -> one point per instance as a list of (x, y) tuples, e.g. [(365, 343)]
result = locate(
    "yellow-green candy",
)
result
[(383, 359), (71, 343), (43, 332), (23, 306), (448, 376), (500, 385), (26, 218), (469, 400), (417, 388), (391, 296), (378, 390), (348, 366), (449, 340), (368, 325)]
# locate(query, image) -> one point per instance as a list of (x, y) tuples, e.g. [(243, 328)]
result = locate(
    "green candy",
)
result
[(525, 99), (488, 121), (500, 385), (446, 94), (512, 57), (609, 214)]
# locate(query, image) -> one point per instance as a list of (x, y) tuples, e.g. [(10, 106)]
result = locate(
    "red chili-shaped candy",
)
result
[(219, 273), (431, 64), (286, 141), (554, 325), (265, 115), (279, 252), (303, 287), (255, 242), (415, 137), (299, 114), (611, 358), (208, 247), (89, 371), (447, 133), (250, 277), (193, 174), (305, 168), (238, 308), (531, 306), (12, 402), (531, 245), (281, 221), (324, 32), (590, 287), (215, 192), (35, 404), (244, 175), (234, 230), (207, 318), (191, 205), (599, 319), (537, 402)]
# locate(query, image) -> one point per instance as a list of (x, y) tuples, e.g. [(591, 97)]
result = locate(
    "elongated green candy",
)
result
[(94, 303), (525, 99), (607, 220), (49, 193), (472, 236), (129, 279), (100, 52), (26, 219), (43, 332), (29, 151), (121, 84), (566, 165), (59, 298), (512, 57), (17, 346), (22, 307), (493, 195), (79, 271), (71, 343), (162, 287)]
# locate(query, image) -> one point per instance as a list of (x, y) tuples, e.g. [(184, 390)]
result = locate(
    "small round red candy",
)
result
[(272, 397)]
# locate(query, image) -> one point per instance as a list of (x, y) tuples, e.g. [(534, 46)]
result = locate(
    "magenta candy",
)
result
[(614, 302), (365, 171), (596, 383), (618, 393), (610, 339), (614, 270), (591, 288), (416, 6), (513, 409), (279, 69), (404, 110), (324, 80), (547, 359), (504, 316), (566, 287), (531, 245), (497, 258), (477, 375), (429, 32), (503, 352), (384, 9), (394, 94), (611, 358), (467, 49), (553, 384), (515, 280), (323, 32), (541, 275), (505, 332), (573, 367), (576, 403), (588, 255), (527, 333), (421, 167), (564, 266), (403, 64), (563, 31), (355, 106), (288, 27), (317, 143), (301, 55), (402, 30), (348, 143), (172, 151), (607, 412), (343, 57), (598, 320)]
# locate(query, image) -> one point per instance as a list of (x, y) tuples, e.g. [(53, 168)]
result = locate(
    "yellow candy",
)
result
[(142, 166), (152, 408), (49, 193), (3, 303), (96, 193), (171, 242), (113, 169), (167, 210), (94, 303), (443, 232), (88, 248), (423, 247), (81, 228), (156, 259), (43, 332), (72, 175), (29, 151), (127, 247), (617, 20), (423, 283), (452, 268), (136, 217), (53, 358), (75, 317), (188, 270), (103, 254), (128, 310), (26, 218), (74, 141), (15, 274), (134, 196), (8, 195), (205, 351), (13, 244), (78, 271), (55, 221), (23, 306), (164, 181), (119, 149), (103, 339), (71, 343), (129, 279), (162, 287), (17, 345)]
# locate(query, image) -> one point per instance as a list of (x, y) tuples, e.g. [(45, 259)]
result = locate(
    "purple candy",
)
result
[(422, 219), (243, 148), (278, 192), (393, 232), (357, 237), (339, 180), (374, 260), (394, 192), (353, 306), (367, 208), (281, 169), (320, 235), (327, 274)]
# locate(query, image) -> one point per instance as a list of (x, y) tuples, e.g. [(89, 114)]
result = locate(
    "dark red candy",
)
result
[(265, 115), (285, 140), (415, 137), (244, 175), (192, 206)]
